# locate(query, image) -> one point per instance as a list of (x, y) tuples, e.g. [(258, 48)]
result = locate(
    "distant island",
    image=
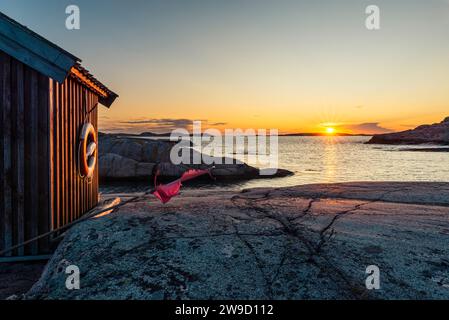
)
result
[(437, 133), (312, 134), (318, 134)]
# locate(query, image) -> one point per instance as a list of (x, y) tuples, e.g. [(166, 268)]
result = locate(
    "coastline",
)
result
[(306, 242)]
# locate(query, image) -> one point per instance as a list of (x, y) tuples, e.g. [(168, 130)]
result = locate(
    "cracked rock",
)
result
[(305, 242)]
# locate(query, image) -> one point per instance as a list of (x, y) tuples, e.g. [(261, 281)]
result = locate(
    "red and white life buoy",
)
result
[(87, 150)]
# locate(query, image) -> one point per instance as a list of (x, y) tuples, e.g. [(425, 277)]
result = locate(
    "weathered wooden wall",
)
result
[(24, 155), (71, 106), (40, 123)]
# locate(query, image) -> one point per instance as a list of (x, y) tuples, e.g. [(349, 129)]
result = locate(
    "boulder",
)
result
[(114, 166), (135, 148), (124, 157), (437, 133)]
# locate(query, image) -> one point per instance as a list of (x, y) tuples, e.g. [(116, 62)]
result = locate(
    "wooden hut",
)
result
[(47, 99)]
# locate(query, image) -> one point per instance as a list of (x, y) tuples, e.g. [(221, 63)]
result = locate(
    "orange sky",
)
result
[(295, 66), (296, 71)]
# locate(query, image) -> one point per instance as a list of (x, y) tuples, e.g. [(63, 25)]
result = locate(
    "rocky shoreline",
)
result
[(133, 158), (437, 133), (304, 242)]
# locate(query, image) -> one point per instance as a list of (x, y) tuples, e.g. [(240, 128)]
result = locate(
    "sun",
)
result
[(330, 130)]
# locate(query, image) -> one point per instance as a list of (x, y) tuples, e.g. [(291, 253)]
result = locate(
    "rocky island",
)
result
[(437, 133), (133, 157)]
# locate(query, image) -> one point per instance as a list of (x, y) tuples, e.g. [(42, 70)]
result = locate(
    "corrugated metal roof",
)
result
[(44, 56)]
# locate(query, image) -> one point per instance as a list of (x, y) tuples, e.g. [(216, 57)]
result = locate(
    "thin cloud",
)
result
[(164, 125), (368, 128), (166, 122)]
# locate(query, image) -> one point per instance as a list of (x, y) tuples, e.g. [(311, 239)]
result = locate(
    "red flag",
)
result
[(168, 191)]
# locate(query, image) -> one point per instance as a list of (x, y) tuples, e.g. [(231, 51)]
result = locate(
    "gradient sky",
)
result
[(287, 64)]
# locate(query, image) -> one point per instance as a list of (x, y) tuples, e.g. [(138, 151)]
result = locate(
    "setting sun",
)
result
[(330, 130)]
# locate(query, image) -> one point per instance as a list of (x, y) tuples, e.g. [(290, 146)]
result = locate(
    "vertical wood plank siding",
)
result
[(73, 195), (5, 162), (40, 124)]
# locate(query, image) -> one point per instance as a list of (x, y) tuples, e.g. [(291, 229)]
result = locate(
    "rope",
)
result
[(87, 216)]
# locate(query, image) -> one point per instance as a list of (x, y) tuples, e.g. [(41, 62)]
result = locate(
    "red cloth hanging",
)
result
[(164, 192)]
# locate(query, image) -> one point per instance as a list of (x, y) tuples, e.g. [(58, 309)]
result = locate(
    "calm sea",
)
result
[(344, 159), (338, 159)]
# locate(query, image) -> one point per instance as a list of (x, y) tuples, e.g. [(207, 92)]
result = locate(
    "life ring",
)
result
[(87, 150)]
